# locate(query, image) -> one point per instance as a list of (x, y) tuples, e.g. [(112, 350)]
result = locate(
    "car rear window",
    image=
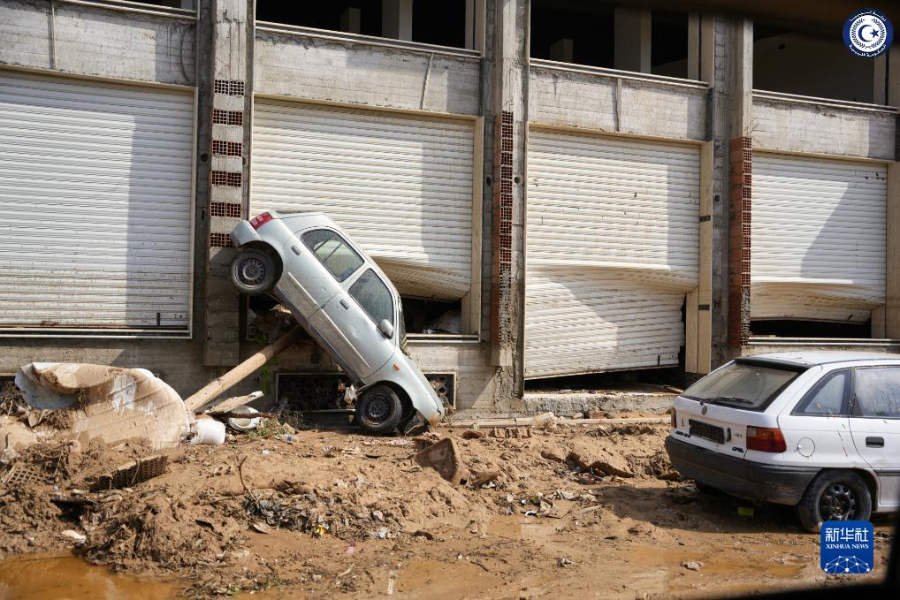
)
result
[(746, 385), (333, 252)]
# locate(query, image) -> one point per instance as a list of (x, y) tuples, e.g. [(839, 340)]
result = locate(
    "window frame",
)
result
[(846, 402), (386, 287), (854, 405), (346, 243)]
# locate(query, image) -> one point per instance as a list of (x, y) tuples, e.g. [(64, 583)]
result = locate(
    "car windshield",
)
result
[(745, 385)]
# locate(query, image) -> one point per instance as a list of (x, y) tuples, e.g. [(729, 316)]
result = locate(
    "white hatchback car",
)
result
[(817, 430)]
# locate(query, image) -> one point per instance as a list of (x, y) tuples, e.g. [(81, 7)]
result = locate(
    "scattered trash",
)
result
[(78, 538), (565, 495), (564, 562), (248, 424), (208, 431), (483, 478), (111, 403), (260, 527), (132, 473), (381, 533), (693, 565), (443, 457)]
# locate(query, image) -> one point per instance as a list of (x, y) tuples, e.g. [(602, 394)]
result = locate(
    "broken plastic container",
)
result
[(240, 424), (208, 431)]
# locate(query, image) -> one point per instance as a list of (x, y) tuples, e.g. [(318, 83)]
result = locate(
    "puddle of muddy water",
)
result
[(66, 577)]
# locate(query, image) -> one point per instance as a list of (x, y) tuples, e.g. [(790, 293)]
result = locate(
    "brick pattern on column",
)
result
[(740, 196), (501, 284)]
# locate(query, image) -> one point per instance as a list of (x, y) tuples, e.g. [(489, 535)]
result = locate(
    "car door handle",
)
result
[(875, 442), (344, 303)]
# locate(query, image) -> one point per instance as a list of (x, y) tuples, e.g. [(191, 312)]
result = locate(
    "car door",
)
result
[(875, 425), (318, 263), (816, 428), (356, 313)]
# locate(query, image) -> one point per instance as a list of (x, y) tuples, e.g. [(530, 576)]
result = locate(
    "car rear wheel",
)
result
[(835, 496), (379, 410), (253, 272)]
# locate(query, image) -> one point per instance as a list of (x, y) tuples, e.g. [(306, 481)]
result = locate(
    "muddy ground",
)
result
[(339, 514)]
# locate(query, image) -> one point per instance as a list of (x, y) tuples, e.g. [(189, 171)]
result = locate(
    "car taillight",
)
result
[(765, 439), (674, 420), (260, 220)]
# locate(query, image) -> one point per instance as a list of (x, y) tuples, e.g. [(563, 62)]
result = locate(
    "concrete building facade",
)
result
[(549, 202)]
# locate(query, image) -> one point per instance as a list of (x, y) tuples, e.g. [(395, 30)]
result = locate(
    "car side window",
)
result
[(373, 295), (877, 392), (828, 397), (333, 252)]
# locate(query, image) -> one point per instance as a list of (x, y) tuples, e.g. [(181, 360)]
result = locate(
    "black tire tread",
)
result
[(808, 508), (390, 424)]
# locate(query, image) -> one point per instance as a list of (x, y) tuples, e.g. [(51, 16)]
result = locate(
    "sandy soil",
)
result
[(344, 515)]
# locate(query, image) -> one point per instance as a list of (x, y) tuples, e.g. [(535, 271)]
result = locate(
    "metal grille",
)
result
[(225, 209)]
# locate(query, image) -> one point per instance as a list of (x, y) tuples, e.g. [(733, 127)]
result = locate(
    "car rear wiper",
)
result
[(733, 400)]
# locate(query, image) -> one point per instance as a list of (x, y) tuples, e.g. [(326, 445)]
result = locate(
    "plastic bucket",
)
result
[(209, 431)]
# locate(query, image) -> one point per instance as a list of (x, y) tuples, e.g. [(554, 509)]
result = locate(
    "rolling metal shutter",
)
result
[(612, 249), (95, 191), (401, 185), (817, 238)]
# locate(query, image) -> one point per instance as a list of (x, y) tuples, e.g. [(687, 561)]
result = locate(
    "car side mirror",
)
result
[(386, 328)]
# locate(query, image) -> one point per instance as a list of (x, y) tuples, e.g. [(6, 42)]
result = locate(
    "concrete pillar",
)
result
[(350, 20), (505, 104), (632, 39), (892, 258), (562, 50), (396, 19), (726, 62), (231, 65)]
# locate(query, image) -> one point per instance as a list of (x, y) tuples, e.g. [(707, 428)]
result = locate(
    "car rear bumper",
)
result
[(244, 234), (740, 477)]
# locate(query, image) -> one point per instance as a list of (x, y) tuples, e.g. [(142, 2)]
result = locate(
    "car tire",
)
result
[(379, 410), (706, 490), (253, 272), (834, 496)]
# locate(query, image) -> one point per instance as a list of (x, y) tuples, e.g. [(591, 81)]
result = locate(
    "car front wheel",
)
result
[(253, 272), (835, 496), (379, 410)]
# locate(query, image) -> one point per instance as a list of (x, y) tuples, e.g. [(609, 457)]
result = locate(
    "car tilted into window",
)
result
[(819, 431), (346, 303)]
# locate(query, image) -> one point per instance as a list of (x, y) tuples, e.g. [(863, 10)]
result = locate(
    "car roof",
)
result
[(812, 358)]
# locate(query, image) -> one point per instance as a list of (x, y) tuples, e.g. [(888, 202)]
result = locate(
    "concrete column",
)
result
[(505, 108), (892, 259), (726, 62), (231, 64), (632, 39), (396, 19)]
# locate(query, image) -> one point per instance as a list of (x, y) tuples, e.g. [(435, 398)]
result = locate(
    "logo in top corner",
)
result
[(868, 33)]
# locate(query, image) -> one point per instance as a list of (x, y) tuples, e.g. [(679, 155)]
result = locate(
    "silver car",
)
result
[(346, 303)]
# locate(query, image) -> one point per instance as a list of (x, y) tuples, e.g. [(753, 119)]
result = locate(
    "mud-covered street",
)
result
[(312, 513)]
